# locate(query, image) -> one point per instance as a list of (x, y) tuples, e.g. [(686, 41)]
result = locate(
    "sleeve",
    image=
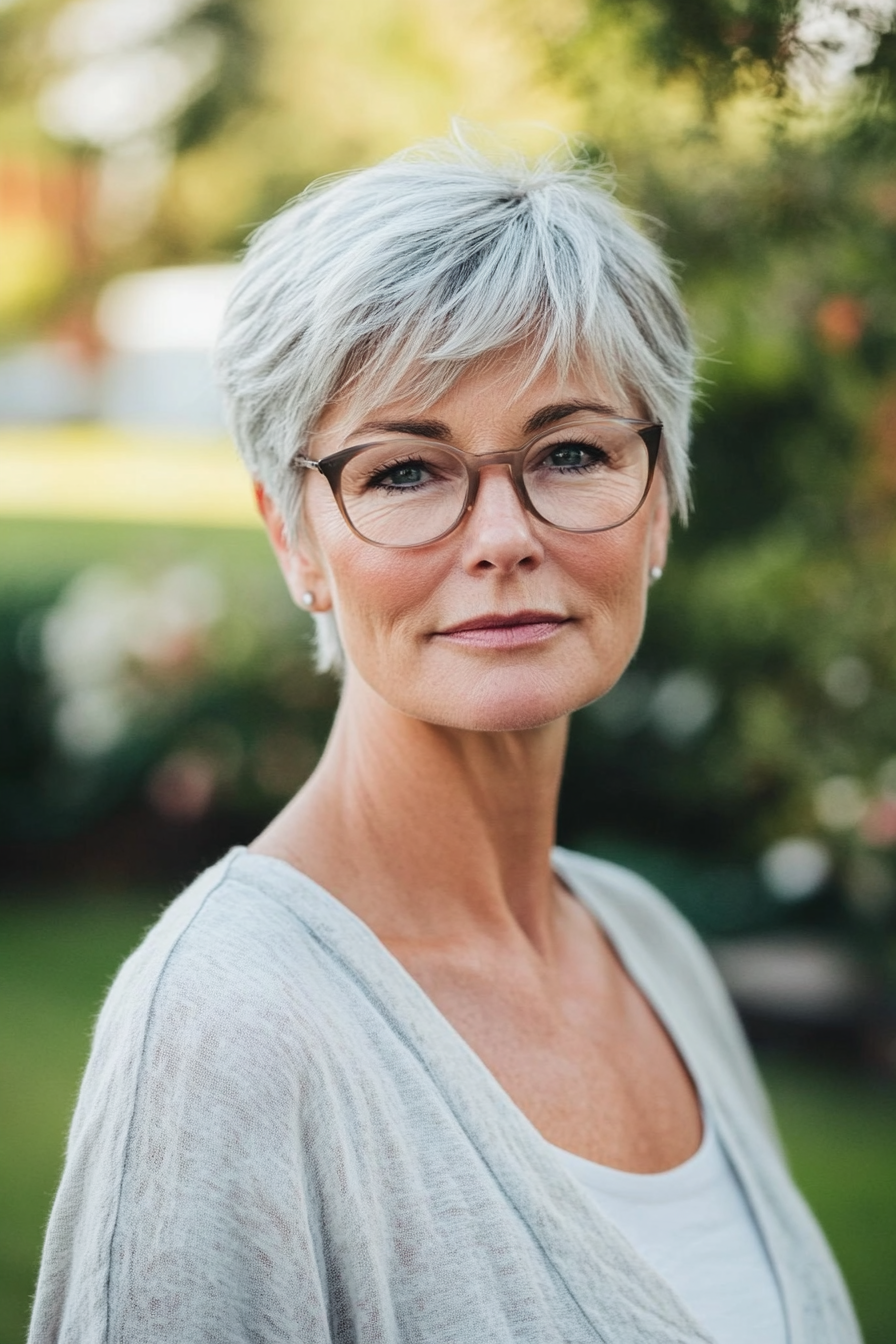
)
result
[(185, 1210)]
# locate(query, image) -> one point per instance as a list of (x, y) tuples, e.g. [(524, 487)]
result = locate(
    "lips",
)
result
[(503, 631), (498, 622)]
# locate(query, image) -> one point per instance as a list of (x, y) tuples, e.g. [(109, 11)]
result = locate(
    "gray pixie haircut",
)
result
[(390, 281)]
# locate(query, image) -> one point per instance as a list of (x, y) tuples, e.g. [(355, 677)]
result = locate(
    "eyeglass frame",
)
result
[(332, 467)]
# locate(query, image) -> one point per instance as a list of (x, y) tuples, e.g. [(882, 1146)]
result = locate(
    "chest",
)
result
[(449, 1184), (580, 1051)]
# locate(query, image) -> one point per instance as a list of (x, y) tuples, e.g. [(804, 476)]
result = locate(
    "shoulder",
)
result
[(645, 910), (187, 1170), (650, 933), (229, 973), (228, 1017)]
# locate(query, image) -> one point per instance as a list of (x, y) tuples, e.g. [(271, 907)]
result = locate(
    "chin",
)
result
[(505, 700)]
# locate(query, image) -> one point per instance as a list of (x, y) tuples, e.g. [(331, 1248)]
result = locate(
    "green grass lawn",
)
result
[(40, 552), (58, 959), (840, 1133)]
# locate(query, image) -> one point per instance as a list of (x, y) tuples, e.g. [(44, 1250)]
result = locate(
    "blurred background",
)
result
[(157, 702)]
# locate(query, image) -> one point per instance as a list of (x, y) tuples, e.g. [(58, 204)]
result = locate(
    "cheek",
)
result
[(610, 579), (610, 572), (377, 593)]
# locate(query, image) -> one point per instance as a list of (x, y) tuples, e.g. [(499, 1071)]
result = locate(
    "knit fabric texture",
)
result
[(280, 1140)]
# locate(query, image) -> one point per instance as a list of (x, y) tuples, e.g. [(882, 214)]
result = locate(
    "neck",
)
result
[(428, 832)]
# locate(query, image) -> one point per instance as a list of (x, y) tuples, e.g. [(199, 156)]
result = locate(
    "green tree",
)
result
[(762, 707)]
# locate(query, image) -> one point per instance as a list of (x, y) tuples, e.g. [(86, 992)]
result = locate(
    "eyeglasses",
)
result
[(589, 476)]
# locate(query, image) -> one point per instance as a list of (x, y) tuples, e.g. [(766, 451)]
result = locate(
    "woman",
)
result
[(400, 1070)]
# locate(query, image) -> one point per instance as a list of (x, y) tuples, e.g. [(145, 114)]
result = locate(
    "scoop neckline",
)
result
[(684, 1178), (609, 930)]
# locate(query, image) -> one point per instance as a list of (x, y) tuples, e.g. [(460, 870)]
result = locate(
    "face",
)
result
[(505, 624)]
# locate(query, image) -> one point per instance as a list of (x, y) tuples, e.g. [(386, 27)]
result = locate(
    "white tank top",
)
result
[(694, 1226)]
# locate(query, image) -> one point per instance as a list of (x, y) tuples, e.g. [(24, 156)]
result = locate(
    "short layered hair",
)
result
[(392, 280)]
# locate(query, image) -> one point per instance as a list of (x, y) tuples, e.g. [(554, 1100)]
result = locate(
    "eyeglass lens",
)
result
[(582, 478)]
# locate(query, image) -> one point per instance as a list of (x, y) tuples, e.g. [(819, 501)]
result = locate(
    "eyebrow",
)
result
[(549, 415), (421, 429), (437, 429)]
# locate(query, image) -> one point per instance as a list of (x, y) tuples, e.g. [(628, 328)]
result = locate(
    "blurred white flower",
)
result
[(125, 70), (91, 720), (840, 803), (111, 100), (104, 635), (839, 35), (847, 681), (89, 28), (795, 868), (183, 602), (85, 632), (683, 704)]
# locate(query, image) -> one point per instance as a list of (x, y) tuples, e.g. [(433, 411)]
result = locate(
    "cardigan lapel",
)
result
[(816, 1303)]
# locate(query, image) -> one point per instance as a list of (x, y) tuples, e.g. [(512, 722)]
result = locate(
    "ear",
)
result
[(660, 525), (298, 560)]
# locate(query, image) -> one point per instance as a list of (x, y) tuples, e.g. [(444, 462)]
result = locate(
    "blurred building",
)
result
[(159, 328), (147, 364)]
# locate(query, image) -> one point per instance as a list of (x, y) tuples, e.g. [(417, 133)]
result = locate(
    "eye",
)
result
[(573, 456), (401, 475), (409, 473)]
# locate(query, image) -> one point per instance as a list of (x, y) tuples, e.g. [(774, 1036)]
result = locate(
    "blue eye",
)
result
[(568, 455), (409, 473), (574, 456), (400, 475)]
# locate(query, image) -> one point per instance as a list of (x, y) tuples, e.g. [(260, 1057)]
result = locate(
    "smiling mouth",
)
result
[(506, 632)]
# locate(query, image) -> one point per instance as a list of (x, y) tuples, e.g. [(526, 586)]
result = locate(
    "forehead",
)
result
[(506, 391)]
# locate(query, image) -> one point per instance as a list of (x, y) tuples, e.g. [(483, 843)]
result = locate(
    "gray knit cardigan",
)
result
[(280, 1140)]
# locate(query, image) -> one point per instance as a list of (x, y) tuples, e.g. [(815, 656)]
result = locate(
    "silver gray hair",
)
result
[(392, 280)]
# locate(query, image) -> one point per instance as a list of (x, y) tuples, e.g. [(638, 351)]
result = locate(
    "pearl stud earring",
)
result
[(655, 573), (308, 598)]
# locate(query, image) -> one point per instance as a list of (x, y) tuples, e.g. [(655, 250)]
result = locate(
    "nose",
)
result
[(498, 533)]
